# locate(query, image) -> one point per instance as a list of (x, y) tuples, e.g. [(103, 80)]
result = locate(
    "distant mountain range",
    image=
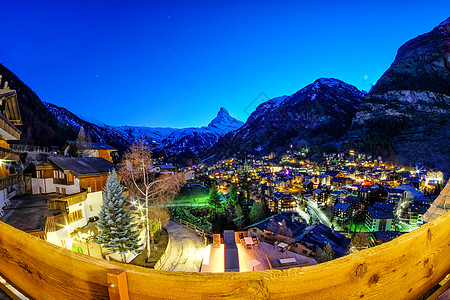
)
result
[(169, 140), (405, 117)]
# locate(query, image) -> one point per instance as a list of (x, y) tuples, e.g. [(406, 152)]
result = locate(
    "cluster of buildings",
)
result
[(353, 190)]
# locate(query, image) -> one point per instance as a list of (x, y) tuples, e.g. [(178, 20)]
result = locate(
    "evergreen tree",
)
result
[(117, 230), (257, 212), (242, 201), (214, 198), (239, 221), (284, 230), (324, 255), (329, 251), (233, 194), (272, 227)]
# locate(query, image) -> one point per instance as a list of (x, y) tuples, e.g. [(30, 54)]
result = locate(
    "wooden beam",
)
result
[(118, 285)]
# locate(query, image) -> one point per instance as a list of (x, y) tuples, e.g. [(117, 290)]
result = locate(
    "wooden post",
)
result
[(117, 285)]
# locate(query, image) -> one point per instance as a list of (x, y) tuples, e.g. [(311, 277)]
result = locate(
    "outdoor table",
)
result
[(248, 240), (254, 263), (282, 245)]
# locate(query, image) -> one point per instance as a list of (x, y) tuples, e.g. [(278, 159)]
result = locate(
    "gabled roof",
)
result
[(11, 106), (320, 235), (295, 227), (381, 211), (341, 206), (83, 166)]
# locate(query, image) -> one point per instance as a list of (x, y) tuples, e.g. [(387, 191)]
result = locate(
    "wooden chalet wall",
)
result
[(96, 183), (106, 154), (404, 268)]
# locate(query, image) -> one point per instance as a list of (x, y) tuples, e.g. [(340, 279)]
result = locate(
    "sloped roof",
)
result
[(440, 206), (341, 206), (83, 166)]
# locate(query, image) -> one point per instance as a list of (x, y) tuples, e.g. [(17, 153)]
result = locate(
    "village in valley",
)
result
[(236, 215)]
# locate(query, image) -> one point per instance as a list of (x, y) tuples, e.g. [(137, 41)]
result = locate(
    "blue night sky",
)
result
[(174, 64)]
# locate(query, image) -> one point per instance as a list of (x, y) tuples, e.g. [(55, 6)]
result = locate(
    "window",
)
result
[(64, 191), (76, 215), (89, 189), (55, 173), (91, 208), (38, 174), (57, 190), (304, 252)]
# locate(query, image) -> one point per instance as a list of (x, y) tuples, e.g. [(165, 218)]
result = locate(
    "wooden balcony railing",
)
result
[(64, 202), (54, 223), (405, 268), (9, 181), (63, 181)]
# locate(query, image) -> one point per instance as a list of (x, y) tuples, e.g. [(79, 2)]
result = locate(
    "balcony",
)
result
[(8, 181), (405, 268), (64, 202), (7, 130), (55, 223), (63, 181)]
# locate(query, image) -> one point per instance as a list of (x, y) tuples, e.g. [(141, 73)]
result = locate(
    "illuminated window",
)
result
[(76, 215)]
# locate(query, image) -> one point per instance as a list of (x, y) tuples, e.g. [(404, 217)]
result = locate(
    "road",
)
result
[(186, 250), (319, 214)]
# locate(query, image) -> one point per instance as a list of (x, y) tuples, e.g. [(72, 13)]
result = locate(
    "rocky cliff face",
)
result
[(421, 64), (408, 109)]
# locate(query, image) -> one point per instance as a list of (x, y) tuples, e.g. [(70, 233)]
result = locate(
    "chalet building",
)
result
[(79, 181), (342, 211), (318, 236), (270, 226), (9, 119), (324, 179), (416, 211), (341, 181), (380, 217), (336, 196), (283, 202), (102, 150), (320, 197), (163, 169)]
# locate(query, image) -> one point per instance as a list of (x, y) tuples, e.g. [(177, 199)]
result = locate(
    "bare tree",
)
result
[(150, 186), (83, 142), (360, 241)]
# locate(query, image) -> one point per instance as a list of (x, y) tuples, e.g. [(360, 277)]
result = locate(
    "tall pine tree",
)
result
[(117, 231), (214, 198)]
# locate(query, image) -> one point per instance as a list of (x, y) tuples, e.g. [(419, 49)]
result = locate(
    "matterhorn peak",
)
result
[(223, 121)]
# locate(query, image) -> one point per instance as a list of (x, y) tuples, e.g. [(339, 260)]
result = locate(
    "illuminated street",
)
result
[(319, 214), (186, 249)]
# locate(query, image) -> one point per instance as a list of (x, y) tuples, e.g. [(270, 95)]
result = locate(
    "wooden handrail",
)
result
[(405, 268)]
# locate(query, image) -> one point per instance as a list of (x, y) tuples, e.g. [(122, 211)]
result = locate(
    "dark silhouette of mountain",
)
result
[(319, 113), (39, 127), (406, 115)]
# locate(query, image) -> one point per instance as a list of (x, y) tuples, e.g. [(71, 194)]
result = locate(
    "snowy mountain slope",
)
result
[(170, 140)]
